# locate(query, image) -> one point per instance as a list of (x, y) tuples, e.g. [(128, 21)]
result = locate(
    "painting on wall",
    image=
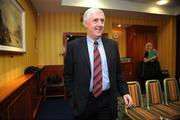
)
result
[(12, 26)]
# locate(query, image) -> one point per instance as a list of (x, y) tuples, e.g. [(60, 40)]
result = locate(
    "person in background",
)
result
[(150, 53), (151, 69), (92, 72)]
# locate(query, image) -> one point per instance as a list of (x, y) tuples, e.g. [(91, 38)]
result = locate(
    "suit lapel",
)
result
[(108, 50), (85, 52)]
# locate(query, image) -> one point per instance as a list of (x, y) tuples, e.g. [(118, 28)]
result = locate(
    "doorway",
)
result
[(137, 37)]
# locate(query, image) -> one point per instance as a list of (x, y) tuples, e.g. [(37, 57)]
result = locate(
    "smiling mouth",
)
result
[(99, 29)]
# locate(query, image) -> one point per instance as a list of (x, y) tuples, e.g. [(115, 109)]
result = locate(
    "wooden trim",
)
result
[(19, 98), (10, 87)]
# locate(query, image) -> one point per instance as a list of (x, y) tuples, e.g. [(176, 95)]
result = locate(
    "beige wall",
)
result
[(13, 65), (52, 25)]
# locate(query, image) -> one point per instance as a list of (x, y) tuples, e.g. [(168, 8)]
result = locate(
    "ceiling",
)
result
[(172, 3), (110, 6)]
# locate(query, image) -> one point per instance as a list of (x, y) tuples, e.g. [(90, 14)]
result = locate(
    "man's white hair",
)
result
[(88, 13)]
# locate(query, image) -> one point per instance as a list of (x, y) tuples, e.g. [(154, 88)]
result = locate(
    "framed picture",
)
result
[(12, 26)]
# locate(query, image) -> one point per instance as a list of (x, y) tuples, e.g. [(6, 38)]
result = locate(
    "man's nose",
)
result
[(100, 23)]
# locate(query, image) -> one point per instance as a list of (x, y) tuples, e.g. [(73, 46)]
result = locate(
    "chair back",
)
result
[(171, 90), (153, 93), (135, 92)]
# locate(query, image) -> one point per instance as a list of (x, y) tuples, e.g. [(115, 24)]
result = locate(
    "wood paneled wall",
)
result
[(13, 65), (50, 35), (52, 25)]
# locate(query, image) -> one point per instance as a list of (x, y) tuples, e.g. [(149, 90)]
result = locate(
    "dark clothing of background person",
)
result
[(148, 71)]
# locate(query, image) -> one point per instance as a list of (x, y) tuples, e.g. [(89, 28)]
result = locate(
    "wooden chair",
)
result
[(138, 111), (53, 90), (155, 101), (171, 92)]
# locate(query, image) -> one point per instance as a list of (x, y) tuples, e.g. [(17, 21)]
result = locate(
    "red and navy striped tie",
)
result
[(97, 72)]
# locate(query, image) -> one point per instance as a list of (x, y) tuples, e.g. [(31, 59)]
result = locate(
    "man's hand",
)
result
[(128, 100)]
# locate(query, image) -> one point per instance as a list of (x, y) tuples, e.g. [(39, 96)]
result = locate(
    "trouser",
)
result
[(97, 108)]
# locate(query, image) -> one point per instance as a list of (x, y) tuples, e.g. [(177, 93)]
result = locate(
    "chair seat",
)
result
[(175, 105), (165, 111), (140, 113)]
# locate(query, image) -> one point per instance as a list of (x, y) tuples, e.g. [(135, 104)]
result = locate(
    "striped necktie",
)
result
[(97, 72)]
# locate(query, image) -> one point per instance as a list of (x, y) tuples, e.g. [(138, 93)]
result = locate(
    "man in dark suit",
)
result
[(92, 72)]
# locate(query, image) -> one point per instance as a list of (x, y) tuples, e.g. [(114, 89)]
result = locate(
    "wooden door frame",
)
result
[(131, 38), (75, 34)]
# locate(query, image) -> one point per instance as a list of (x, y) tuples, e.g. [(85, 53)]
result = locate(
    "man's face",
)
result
[(95, 25)]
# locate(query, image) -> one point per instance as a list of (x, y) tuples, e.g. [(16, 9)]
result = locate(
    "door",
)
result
[(137, 37)]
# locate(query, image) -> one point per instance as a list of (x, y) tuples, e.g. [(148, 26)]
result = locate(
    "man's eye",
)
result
[(95, 20), (102, 20)]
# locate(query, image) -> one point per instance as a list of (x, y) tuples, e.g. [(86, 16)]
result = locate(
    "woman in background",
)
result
[(151, 67), (150, 53)]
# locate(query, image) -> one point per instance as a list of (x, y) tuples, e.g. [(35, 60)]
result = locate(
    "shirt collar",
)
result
[(90, 40)]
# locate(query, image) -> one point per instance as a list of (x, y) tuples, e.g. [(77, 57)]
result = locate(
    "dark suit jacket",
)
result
[(77, 74)]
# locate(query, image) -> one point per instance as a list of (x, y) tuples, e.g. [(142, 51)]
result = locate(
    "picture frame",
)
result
[(12, 27)]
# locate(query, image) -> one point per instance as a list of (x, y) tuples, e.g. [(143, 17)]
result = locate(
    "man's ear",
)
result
[(84, 24)]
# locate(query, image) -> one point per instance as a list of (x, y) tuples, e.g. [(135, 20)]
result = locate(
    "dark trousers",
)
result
[(97, 108)]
